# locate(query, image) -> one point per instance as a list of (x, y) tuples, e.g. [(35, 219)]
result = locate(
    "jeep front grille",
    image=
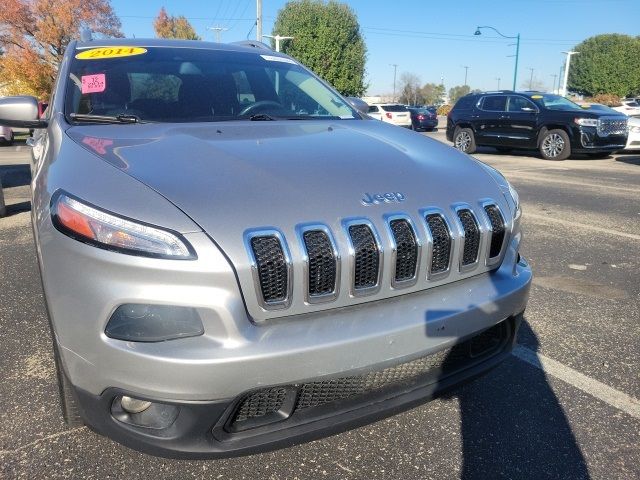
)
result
[(497, 230), (612, 126), (441, 249), (366, 267), (272, 269), (406, 250), (471, 237), (322, 263)]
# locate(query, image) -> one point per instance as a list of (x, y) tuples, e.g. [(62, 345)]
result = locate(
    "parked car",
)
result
[(423, 119), (633, 142), (555, 126), (225, 278), (6, 135), (391, 113), (629, 107)]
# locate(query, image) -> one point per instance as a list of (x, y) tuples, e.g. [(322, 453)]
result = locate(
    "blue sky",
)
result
[(428, 38)]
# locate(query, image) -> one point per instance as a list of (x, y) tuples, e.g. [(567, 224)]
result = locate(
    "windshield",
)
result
[(196, 85), (394, 108), (555, 102)]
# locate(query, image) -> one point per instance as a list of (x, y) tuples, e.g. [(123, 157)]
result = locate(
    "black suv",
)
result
[(557, 127)]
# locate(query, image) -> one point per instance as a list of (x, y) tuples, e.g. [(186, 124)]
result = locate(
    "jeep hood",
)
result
[(230, 177)]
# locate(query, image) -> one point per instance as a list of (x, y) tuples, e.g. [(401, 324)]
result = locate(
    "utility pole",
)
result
[(553, 90), (530, 78), (498, 79), (566, 72), (277, 38), (218, 30), (395, 69), (259, 20), (466, 71)]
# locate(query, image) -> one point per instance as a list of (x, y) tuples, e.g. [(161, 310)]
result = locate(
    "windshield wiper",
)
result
[(121, 118), (261, 117)]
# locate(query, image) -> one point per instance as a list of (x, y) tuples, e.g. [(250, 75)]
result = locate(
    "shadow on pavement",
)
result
[(516, 429), (630, 159)]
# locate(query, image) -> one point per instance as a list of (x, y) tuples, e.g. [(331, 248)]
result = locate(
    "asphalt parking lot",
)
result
[(563, 406)]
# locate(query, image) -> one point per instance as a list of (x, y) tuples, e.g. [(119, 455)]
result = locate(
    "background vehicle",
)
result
[(633, 142), (629, 107), (226, 276), (550, 123), (391, 113), (6, 135), (423, 119)]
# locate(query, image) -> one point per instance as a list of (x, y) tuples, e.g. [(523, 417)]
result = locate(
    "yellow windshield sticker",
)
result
[(537, 97), (110, 52)]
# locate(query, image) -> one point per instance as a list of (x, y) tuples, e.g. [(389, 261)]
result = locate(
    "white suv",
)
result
[(391, 113), (629, 107)]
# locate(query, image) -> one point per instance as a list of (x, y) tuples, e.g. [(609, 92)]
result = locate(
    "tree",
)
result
[(167, 26), (606, 64), (327, 39), (35, 33), (535, 84), (432, 93), (458, 91), (410, 92)]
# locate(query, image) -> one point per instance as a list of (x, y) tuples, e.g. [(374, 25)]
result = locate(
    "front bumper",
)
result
[(588, 141)]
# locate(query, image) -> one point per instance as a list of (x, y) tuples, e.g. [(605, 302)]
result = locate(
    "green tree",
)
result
[(167, 26), (327, 39), (458, 91), (606, 64), (433, 93)]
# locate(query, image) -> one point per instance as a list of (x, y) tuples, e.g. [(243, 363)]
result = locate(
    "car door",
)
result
[(520, 123), (489, 120)]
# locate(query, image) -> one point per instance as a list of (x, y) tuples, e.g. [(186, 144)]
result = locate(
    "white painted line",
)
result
[(518, 176), (593, 387), (545, 218)]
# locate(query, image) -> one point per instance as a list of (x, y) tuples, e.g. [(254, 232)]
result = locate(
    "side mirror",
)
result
[(358, 104), (20, 112)]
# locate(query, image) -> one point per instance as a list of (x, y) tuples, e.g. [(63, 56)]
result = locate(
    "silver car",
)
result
[(234, 259)]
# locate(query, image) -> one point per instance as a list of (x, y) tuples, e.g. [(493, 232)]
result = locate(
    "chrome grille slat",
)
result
[(498, 230), (612, 126)]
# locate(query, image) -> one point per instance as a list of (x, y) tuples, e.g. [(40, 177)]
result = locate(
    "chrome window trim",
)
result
[(482, 231), (361, 292), (497, 260), (424, 212), (388, 218), (327, 297), (269, 232)]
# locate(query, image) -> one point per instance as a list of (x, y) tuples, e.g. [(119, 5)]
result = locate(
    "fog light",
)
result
[(133, 405), (153, 323)]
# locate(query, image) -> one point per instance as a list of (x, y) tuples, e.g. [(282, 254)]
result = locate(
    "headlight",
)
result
[(106, 230), (634, 129), (586, 122)]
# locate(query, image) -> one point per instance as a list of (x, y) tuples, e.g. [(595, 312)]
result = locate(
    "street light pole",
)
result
[(498, 78), (395, 69), (553, 90), (531, 78), (277, 38), (517, 39), (466, 71), (566, 72), (259, 20), (218, 30)]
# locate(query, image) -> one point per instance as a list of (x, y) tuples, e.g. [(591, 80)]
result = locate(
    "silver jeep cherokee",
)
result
[(234, 259)]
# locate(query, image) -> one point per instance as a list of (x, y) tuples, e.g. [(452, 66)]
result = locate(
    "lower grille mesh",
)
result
[(315, 394), (497, 229), (441, 243), (406, 250), (367, 257), (471, 237), (322, 263), (272, 268)]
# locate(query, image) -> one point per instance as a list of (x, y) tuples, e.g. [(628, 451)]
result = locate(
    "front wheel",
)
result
[(464, 140), (554, 145)]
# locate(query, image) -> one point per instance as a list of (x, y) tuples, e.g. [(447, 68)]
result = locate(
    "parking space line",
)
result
[(561, 221), (569, 182), (593, 387)]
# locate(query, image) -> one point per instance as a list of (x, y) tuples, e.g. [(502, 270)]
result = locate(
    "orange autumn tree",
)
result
[(35, 33)]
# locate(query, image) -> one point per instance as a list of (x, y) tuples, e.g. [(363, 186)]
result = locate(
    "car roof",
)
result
[(253, 47)]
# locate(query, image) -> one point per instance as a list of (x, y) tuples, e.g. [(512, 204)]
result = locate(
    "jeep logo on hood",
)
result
[(377, 198)]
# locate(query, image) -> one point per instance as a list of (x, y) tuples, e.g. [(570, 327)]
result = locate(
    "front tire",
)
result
[(68, 402), (464, 140), (554, 145)]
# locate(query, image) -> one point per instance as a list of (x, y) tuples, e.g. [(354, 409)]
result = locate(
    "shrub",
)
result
[(608, 99)]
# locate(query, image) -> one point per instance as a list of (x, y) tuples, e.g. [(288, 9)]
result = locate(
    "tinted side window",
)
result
[(520, 104), (497, 103), (464, 103), (373, 108)]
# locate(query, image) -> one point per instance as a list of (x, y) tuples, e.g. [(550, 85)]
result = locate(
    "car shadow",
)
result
[(512, 424), (630, 159)]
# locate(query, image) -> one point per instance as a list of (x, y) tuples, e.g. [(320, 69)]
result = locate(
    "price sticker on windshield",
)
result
[(110, 52), (93, 83)]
